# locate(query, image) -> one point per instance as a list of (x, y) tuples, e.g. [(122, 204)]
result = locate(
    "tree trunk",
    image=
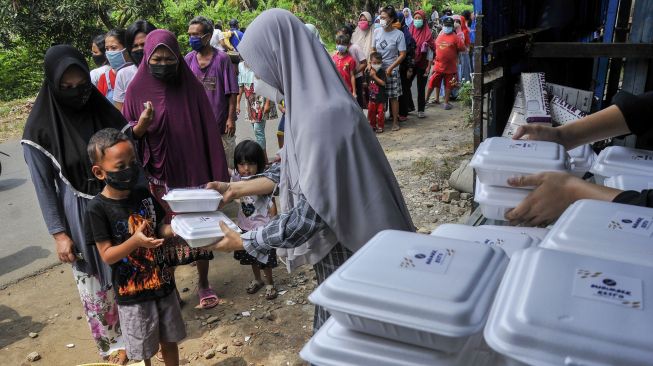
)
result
[(106, 20)]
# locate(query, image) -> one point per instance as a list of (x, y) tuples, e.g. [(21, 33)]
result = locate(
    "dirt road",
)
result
[(422, 155)]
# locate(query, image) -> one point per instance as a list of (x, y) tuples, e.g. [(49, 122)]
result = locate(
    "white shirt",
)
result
[(96, 73), (216, 38), (123, 78)]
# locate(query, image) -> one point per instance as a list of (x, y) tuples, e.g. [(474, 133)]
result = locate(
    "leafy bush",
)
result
[(21, 73)]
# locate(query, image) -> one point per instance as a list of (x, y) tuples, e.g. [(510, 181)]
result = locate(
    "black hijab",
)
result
[(62, 121)]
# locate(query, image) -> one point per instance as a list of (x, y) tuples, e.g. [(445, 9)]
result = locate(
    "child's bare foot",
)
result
[(117, 358), (270, 292)]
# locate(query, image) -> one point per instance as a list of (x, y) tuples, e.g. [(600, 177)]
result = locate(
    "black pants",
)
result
[(421, 87), (361, 92), (406, 99)]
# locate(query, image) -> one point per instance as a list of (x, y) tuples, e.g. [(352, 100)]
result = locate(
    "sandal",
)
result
[(396, 128), (379, 130), (254, 286), (270, 292), (208, 298)]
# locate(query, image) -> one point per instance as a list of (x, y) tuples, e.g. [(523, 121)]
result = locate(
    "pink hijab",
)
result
[(182, 147)]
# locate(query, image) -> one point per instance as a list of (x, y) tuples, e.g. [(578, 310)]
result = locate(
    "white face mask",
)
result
[(383, 23), (376, 67), (267, 91)]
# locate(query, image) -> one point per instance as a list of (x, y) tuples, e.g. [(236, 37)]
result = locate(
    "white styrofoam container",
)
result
[(496, 201), (630, 182), (581, 159), (193, 200), (509, 242), (335, 345), (423, 290), (201, 229), (605, 230), (560, 308), (620, 160), (499, 158), (535, 233)]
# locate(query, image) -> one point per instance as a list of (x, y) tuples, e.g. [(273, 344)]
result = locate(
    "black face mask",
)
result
[(165, 73), (99, 59), (124, 180), (137, 57), (75, 97)]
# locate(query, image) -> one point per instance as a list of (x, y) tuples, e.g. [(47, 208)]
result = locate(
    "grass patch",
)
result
[(422, 166), (13, 115)]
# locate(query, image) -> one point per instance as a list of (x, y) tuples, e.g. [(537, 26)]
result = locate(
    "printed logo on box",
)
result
[(614, 289), (630, 223), (206, 219), (432, 260), (492, 242), (642, 157), (523, 145)]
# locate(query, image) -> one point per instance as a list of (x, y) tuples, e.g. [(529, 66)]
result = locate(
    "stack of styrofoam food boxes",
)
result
[(197, 220), (584, 296), (499, 158), (624, 168), (409, 299)]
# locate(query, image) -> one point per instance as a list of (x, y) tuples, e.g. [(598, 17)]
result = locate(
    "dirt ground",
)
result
[(422, 154)]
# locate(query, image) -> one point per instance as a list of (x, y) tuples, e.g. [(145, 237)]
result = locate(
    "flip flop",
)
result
[(254, 287), (396, 128), (206, 294), (379, 130)]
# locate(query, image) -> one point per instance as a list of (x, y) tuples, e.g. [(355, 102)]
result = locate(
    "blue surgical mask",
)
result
[(448, 30), (116, 59), (418, 23), (196, 43), (341, 48)]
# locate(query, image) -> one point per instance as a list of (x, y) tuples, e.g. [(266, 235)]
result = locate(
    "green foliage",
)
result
[(21, 73), (465, 93)]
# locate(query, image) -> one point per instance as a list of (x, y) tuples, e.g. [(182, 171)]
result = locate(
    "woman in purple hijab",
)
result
[(181, 147)]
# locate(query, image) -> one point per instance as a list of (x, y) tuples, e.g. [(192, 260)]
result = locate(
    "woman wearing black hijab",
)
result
[(66, 113)]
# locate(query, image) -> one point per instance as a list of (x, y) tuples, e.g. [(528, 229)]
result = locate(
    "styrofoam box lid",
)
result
[(560, 308), (535, 233), (605, 229), (615, 160), (432, 284), (192, 194), (335, 345), (630, 182), (582, 157), (201, 225), (499, 196), (507, 241), (501, 153)]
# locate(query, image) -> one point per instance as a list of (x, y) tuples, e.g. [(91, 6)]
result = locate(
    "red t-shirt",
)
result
[(446, 52), (345, 65)]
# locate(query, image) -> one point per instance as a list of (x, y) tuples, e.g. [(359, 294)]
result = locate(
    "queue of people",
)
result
[(101, 172), (102, 162), (433, 50)]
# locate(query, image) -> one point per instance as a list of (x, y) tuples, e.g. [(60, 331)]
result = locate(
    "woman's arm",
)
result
[(603, 124), (43, 175), (352, 77), (240, 94), (140, 129), (264, 184), (288, 230), (398, 61)]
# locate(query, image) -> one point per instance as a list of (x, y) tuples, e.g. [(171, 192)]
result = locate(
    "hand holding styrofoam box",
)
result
[(428, 291), (498, 158), (620, 160), (560, 308), (193, 200), (201, 229), (495, 202)]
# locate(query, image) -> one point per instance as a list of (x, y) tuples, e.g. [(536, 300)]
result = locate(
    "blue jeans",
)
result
[(259, 133)]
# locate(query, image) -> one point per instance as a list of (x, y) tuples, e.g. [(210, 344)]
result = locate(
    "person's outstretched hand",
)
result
[(540, 133), (553, 193), (230, 242), (224, 189)]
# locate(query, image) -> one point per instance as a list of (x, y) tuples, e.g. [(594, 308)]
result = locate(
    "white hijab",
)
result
[(330, 155)]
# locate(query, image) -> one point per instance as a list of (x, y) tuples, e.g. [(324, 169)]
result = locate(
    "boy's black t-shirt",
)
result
[(138, 277), (376, 92)]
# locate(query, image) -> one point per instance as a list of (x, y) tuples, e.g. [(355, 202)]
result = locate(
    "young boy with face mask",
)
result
[(124, 222), (345, 63), (377, 97)]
